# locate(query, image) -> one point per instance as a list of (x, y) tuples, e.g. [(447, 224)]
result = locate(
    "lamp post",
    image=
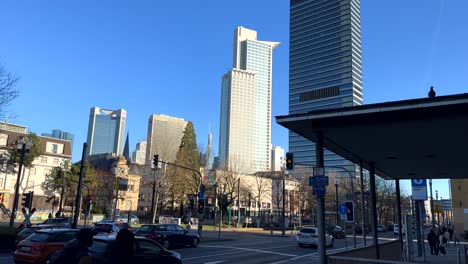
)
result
[(24, 145), (336, 200), (432, 204), (437, 198)]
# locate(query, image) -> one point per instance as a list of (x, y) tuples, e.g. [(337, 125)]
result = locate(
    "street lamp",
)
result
[(24, 145), (336, 199)]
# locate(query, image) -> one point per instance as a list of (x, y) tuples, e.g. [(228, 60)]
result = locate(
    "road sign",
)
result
[(343, 217), (319, 191), (342, 209), (419, 189), (318, 181)]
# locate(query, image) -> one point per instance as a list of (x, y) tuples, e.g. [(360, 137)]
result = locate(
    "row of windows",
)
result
[(313, 24), (328, 8), (320, 93), (307, 49), (315, 73), (332, 55), (322, 44), (330, 31)]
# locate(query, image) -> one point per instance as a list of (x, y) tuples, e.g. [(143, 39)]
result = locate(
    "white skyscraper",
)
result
[(277, 158), (245, 125), (140, 153), (106, 131)]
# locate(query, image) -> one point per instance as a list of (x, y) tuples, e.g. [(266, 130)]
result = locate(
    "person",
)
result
[(432, 240), (124, 247), (447, 236), (76, 251), (442, 242), (450, 230)]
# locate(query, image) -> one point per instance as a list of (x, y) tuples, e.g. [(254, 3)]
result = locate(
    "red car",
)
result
[(38, 247)]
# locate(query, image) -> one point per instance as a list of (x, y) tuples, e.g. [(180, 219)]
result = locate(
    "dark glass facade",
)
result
[(325, 68)]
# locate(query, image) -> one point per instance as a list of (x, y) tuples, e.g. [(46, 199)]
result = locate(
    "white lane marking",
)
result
[(214, 255), (6, 258), (215, 262), (254, 250), (279, 247)]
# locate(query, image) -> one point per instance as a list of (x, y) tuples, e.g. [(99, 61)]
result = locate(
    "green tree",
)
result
[(37, 149), (183, 181)]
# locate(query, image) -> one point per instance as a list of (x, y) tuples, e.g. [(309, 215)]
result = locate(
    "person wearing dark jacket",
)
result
[(124, 247), (432, 239)]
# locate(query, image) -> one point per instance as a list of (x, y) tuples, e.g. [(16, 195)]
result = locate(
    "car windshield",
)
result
[(308, 230), (39, 237), (55, 220), (27, 231), (145, 229)]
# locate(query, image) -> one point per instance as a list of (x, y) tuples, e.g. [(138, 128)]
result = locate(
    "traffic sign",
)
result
[(318, 181), (419, 189), (319, 191), (342, 209)]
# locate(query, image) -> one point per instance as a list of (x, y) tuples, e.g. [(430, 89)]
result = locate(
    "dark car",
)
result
[(146, 251), (358, 229), (27, 231), (59, 221), (337, 232), (38, 247), (169, 235)]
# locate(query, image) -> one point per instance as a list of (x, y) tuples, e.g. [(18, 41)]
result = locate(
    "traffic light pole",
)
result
[(15, 201)]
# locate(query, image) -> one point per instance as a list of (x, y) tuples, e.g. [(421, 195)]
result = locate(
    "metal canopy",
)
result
[(420, 138)]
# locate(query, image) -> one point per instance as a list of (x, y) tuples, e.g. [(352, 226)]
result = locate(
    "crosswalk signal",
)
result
[(349, 211), (27, 199), (289, 161), (201, 206)]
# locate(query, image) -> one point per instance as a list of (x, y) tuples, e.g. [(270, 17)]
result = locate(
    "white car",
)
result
[(308, 235)]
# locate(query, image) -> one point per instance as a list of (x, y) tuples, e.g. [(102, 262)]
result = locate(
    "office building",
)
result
[(56, 133), (245, 123), (325, 67), (106, 131), (277, 158), (164, 137), (139, 154)]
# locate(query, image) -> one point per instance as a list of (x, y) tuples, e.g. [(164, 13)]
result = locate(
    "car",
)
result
[(39, 246), (308, 235), (396, 229), (381, 228), (124, 219), (146, 251), (119, 224), (27, 231), (358, 230), (106, 228), (169, 235), (59, 221), (336, 231)]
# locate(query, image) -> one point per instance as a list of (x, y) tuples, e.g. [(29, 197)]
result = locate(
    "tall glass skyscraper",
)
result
[(245, 126), (106, 131), (325, 67)]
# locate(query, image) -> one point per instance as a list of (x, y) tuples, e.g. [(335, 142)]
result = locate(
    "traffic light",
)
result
[(289, 161), (27, 199), (201, 206), (155, 161), (349, 211)]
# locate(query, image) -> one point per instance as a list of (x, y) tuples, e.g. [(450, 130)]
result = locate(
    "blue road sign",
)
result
[(318, 181), (319, 191), (418, 182), (342, 209)]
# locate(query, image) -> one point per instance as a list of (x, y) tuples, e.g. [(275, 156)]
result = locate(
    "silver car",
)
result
[(124, 219), (308, 235)]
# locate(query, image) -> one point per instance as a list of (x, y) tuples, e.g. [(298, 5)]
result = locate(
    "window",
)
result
[(3, 140), (319, 94), (131, 186), (43, 159), (56, 161), (54, 148), (146, 248)]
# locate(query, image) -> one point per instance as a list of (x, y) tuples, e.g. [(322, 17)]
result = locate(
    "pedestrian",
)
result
[(447, 236), (432, 240), (124, 247), (76, 251), (442, 242), (451, 231)]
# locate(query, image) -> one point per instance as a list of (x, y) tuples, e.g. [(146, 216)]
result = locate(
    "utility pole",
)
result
[(80, 186), (336, 201), (22, 146), (432, 204), (238, 204), (363, 214), (155, 179), (283, 230)]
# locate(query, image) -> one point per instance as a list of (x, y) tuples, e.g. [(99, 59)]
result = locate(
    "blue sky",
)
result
[(167, 57)]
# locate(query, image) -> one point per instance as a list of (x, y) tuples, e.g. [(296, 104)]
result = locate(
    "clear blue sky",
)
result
[(167, 57)]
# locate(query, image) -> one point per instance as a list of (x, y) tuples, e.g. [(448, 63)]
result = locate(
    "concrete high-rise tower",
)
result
[(245, 125), (139, 154), (209, 152), (164, 136), (325, 67), (106, 131)]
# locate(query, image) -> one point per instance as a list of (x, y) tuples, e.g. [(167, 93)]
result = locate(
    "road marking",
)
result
[(254, 250), (214, 255), (6, 258)]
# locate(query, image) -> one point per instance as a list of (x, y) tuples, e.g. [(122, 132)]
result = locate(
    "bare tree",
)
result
[(8, 91)]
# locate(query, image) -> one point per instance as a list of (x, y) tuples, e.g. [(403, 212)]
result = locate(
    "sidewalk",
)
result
[(451, 256)]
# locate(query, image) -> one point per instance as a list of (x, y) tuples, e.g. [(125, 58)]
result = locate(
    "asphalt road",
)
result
[(249, 248)]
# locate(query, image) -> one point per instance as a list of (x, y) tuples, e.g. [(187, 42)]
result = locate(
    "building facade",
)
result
[(325, 67), (277, 158), (106, 131), (56, 153), (139, 154), (164, 137), (245, 122), (56, 133)]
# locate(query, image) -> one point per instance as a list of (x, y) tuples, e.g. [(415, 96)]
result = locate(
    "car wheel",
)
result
[(195, 242), (166, 244), (300, 244)]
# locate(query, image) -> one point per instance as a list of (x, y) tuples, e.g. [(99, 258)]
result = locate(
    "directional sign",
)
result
[(342, 209), (318, 181), (419, 189), (319, 192)]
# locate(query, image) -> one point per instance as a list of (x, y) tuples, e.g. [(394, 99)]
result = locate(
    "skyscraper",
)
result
[(325, 67), (245, 123), (164, 136), (106, 131), (277, 158), (140, 153), (209, 152), (56, 133)]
